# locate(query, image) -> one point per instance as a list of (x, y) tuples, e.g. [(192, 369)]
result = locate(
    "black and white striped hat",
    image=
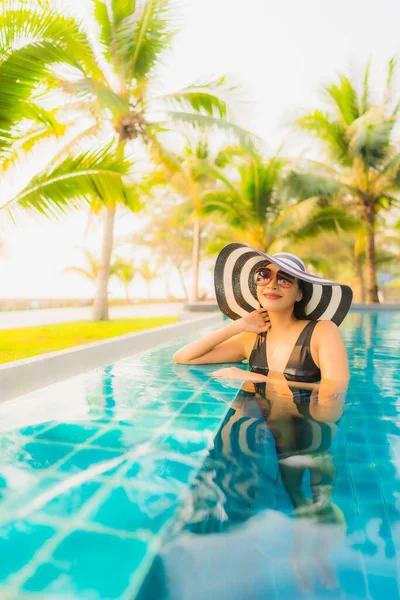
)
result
[(236, 291)]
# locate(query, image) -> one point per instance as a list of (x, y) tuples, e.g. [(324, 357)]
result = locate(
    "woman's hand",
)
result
[(236, 373), (256, 322)]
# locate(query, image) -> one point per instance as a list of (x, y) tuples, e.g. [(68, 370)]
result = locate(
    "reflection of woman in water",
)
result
[(285, 323)]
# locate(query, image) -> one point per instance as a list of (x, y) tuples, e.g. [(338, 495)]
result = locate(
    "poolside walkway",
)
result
[(46, 316)]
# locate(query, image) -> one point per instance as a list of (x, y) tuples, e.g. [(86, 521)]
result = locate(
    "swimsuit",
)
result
[(300, 366)]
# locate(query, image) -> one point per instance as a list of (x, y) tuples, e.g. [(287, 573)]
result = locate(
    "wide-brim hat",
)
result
[(236, 291)]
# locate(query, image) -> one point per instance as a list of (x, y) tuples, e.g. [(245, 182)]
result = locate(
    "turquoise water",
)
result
[(134, 481)]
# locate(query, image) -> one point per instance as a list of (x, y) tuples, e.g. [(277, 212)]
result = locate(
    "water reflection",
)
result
[(270, 466)]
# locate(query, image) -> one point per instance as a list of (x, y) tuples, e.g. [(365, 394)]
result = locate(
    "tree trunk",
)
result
[(372, 284), (196, 260), (185, 291), (100, 306)]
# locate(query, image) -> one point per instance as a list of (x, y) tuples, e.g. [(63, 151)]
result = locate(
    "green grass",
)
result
[(24, 342)]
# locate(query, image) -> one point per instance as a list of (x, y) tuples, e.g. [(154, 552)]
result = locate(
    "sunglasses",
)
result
[(264, 275)]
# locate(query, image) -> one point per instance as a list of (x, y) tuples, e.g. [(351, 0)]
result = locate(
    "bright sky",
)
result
[(280, 52)]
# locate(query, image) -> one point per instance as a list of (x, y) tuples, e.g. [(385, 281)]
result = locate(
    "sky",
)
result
[(280, 53)]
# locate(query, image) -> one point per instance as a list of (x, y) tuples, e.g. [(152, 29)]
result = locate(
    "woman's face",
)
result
[(275, 297)]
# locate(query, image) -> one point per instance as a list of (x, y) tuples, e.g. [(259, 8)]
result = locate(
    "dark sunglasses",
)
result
[(264, 275)]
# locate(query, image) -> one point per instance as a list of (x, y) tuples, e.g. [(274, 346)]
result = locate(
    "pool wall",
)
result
[(24, 376)]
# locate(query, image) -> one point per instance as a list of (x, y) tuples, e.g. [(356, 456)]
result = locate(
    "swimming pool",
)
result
[(116, 484)]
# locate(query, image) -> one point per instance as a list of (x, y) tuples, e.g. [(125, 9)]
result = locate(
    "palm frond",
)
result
[(209, 123), (90, 90), (328, 218), (81, 271), (389, 80), (370, 137), (365, 99), (208, 97), (331, 133), (306, 185), (140, 33), (345, 100), (64, 186)]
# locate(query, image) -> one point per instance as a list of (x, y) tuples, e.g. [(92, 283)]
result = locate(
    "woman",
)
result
[(275, 295), (275, 298)]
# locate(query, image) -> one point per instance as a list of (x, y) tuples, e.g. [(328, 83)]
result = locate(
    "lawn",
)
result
[(24, 342)]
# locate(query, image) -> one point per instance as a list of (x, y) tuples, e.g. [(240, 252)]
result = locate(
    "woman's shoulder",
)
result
[(326, 331)]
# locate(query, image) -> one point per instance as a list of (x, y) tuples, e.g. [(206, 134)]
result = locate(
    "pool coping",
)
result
[(30, 374)]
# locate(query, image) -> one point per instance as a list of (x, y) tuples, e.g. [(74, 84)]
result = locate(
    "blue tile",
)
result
[(131, 509), (71, 501), (86, 458), (33, 430), (196, 423), (123, 437), (352, 582), (185, 442), (70, 433), (89, 565), (163, 468), (367, 492), (41, 455), (383, 587), (205, 410), (19, 541)]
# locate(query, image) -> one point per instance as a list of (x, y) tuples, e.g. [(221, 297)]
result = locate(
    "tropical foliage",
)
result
[(361, 169)]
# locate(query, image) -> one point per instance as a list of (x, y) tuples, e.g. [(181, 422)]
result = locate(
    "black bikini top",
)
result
[(300, 366)]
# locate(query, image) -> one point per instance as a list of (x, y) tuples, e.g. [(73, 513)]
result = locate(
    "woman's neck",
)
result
[(282, 320)]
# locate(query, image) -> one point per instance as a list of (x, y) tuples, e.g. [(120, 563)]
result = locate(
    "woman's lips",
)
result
[(272, 296)]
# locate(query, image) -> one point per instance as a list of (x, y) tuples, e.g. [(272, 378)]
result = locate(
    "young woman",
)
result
[(285, 322)]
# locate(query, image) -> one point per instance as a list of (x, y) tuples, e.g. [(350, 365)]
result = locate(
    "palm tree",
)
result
[(169, 239), (92, 269), (149, 272), (256, 207), (361, 172), (115, 96), (124, 271)]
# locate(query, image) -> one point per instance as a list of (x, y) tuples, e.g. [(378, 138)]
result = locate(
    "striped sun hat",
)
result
[(236, 291)]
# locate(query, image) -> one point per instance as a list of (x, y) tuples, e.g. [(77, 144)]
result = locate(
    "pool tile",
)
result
[(69, 433), (19, 541), (67, 503), (42, 455), (205, 410), (196, 423), (131, 509), (89, 565), (88, 457), (123, 437), (185, 442), (164, 471), (383, 587)]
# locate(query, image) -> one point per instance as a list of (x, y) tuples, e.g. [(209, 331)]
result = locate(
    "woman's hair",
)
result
[(298, 310)]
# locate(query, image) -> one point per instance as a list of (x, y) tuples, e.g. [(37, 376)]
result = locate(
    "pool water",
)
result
[(152, 480)]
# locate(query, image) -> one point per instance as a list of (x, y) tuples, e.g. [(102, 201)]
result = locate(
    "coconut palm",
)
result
[(361, 172), (149, 272), (117, 94), (256, 207), (92, 269), (125, 271), (193, 173), (169, 240)]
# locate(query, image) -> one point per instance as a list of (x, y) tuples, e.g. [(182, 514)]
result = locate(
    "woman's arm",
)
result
[(332, 354), (225, 345)]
